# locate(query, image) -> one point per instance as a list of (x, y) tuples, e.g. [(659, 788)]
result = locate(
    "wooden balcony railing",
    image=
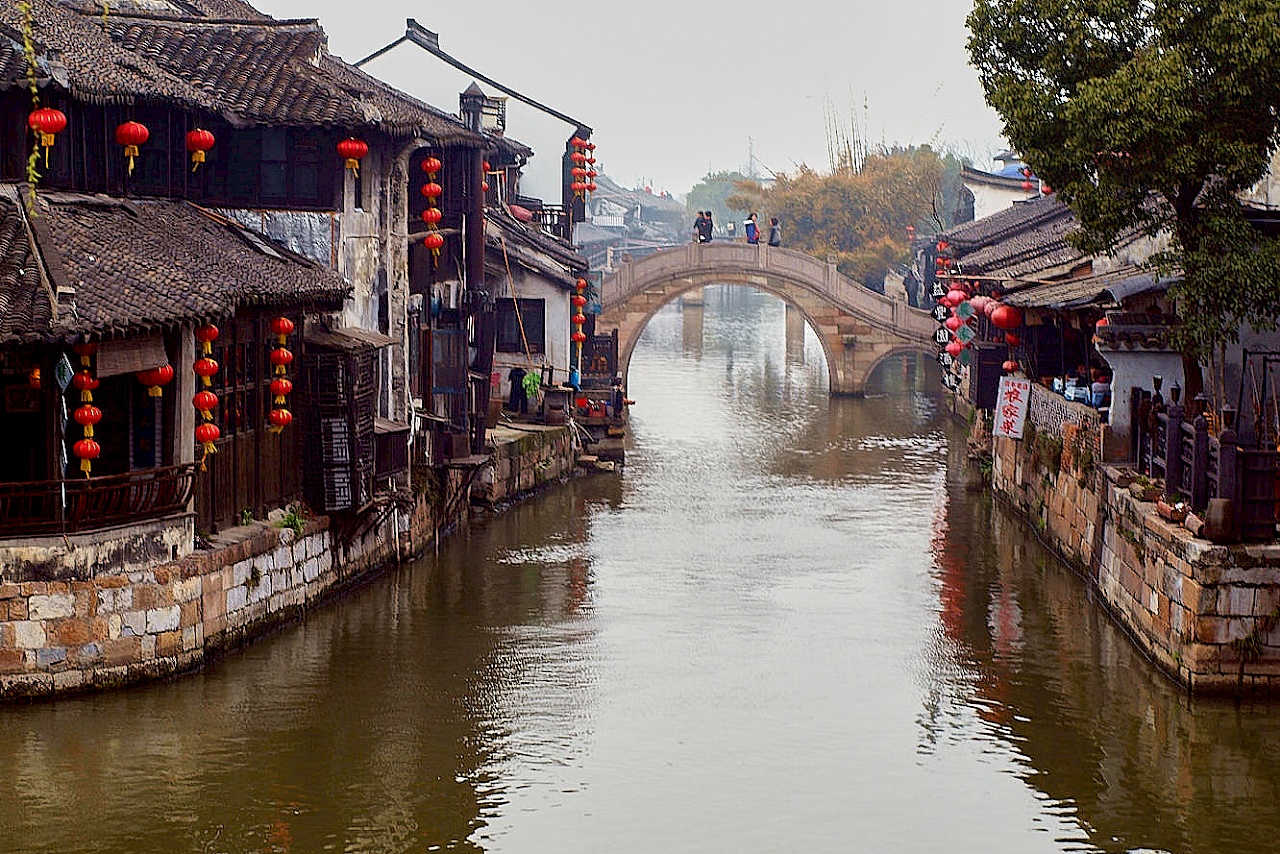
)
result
[(81, 504)]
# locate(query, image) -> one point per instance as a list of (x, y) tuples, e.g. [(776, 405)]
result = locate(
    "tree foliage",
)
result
[(710, 194), (1149, 116), (859, 212)]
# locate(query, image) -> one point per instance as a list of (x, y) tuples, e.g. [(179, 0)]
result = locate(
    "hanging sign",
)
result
[(1012, 398), (938, 290), (951, 381), (965, 334), (940, 313), (941, 335), (946, 359)]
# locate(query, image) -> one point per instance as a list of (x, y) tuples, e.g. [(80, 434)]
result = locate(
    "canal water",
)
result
[(785, 626)]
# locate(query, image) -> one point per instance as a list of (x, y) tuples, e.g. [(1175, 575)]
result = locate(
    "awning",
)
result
[(130, 355), (1103, 289), (347, 338)]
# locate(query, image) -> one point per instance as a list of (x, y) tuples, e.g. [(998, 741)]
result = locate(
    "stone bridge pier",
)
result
[(858, 328)]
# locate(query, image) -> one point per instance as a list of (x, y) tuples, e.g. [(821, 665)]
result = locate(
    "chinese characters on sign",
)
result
[(1011, 407)]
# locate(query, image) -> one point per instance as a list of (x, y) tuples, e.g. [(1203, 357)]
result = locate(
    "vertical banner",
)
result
[(1012, 399)]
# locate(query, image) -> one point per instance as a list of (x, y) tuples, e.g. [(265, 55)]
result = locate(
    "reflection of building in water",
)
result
[(1103, 733)]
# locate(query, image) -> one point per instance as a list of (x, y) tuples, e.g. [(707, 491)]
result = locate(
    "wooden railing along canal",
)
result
[(79, 504)]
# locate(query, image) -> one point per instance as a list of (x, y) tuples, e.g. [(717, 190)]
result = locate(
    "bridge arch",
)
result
[(858, 328)]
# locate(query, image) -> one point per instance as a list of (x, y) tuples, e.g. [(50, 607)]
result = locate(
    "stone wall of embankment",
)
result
[(112, 624), (1208, 615)]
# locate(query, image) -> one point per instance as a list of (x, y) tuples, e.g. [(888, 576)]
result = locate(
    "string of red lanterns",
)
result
[(432, 214), (579, 300), (583, 177), (86, 415), (281, 358), (205, 400)]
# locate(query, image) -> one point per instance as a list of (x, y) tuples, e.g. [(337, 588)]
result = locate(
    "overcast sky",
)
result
[(675, 89)]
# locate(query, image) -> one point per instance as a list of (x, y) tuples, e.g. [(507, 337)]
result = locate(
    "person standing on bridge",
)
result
[(751, 229), (697, 226), (707, 227), (775, 232)]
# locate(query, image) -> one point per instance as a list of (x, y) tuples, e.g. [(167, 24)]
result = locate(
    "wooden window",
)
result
[(531, 317)]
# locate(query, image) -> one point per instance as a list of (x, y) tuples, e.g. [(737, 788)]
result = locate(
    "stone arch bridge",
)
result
[(858, 328)]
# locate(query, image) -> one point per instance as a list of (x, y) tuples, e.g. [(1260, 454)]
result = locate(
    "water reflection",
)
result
[(785, 625)]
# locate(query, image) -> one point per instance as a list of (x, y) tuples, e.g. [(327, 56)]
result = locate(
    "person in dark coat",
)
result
[(518, 399), (775, 232), (752, 229)]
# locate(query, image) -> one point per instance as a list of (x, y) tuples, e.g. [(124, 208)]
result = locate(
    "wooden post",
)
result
[(1229, 472)]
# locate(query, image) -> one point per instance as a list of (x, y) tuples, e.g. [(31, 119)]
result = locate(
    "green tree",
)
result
[(1149, 116)]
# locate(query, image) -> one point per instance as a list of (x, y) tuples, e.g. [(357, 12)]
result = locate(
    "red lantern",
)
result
[(484, 186), (991, 306), (431, 165), (954, 347), (86, 450), (1011, 339), (351, 150), (432, 190), (86, 416), (205, 367), (578, 157), (957, 296), (280, 387), (280, 357), (206, 335), (206, 434), (590, 146), (1006, 317), (432, 216), (1010, 366), (485, 165), (578, 187), (979, 303), (433, 241), (131, 135), (1044, 188), (198, 142), (578, 142), (282, 326), (579, 319), (85, 381), (1102, 322), (591, 186), (205, 401), (578, 301), (578, 172), (953, 323), (154, 378), (280, 418), (47, 122), (578, 337), (581, 284)]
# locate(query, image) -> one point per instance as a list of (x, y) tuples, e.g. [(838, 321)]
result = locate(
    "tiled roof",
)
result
[(1112, 286), (26, 305), (130, 264), (532, 248), (249, 68), (1017, 241)]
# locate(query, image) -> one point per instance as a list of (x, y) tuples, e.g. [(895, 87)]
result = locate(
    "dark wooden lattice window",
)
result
[(531, 318)]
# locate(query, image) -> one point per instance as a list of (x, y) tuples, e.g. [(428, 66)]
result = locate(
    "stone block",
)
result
[(51, 606), (28, 634), (114, 626), (100, 628), (168, 644), (111, 581), (12, 661), (88, 655), (59, 588), (10, 591), (190, 614), (123, 651), (72, 632), (34, 588), (162, 574), (148, 651), (145, 597), (237, 599), (187, 590), (1234, 601), (51, 656), (68, 680), (133, 623), (190, 639), (163, 619)]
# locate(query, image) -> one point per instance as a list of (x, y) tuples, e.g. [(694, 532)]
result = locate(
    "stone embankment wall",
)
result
[(1206, 614), (113, 625)]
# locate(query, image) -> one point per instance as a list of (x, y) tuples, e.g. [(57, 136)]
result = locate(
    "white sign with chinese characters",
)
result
[(1011, 407)]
